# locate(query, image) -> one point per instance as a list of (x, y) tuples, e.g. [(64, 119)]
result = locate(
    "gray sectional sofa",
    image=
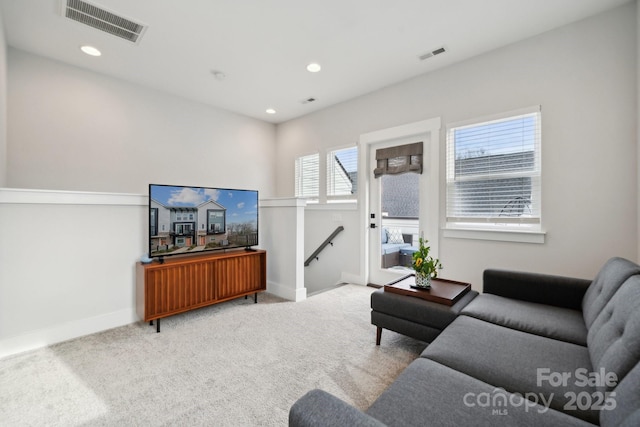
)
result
[(531, 350)]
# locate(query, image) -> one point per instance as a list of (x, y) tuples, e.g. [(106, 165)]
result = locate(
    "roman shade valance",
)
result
[(399, 159)]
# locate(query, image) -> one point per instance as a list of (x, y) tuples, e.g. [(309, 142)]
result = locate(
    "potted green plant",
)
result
[(425, 266)]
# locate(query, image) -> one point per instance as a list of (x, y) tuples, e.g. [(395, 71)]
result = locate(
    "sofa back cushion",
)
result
[(614, 337), (611, 276)]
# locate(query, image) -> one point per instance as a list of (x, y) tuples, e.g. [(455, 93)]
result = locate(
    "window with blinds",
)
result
[(342, 174), (493, 171), (307, 176)]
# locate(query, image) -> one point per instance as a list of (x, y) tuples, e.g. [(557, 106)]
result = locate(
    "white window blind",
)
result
[(493, 170), (307, 176), (342, 174)]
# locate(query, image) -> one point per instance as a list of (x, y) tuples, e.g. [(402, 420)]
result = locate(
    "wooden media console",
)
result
[(185, 283)]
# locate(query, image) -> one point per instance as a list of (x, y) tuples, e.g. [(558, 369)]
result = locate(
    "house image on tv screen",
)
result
[(194, 219)]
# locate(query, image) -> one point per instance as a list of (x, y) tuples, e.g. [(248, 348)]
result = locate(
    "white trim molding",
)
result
[(429, 212), (495, 235), (286, 201), (63, 197)]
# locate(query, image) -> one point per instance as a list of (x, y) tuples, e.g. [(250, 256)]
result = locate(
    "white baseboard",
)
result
[(65, 331), (356, 279), (297, 294)]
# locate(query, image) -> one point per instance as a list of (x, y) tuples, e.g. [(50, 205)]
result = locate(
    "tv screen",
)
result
[(186, 220)]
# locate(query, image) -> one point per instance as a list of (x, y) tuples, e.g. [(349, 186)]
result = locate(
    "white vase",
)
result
[(423, 281)]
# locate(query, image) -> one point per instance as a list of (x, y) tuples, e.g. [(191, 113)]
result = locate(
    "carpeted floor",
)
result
[(233, 364)]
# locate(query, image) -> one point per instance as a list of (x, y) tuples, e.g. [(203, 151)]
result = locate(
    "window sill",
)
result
[(518, 236), (333, 206)]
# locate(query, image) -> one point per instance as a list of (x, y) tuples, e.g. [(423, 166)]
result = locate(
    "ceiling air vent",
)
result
[(103, 20), (432, 53)]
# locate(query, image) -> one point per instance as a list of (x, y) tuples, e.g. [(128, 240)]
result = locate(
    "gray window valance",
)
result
[(399, 159)]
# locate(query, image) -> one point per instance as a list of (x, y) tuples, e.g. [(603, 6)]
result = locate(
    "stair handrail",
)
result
[(324, 244)]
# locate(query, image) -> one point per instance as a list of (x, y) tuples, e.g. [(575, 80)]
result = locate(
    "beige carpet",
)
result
[(233, 364)]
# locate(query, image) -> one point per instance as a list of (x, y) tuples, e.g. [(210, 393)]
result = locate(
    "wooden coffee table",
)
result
[(442, 291)]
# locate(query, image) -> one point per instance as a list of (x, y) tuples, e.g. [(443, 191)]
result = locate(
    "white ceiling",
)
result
[(264, 46)]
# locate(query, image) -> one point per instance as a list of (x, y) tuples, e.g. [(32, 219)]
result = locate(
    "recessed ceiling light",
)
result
[(270, 111), (90, 50), (314, 67)]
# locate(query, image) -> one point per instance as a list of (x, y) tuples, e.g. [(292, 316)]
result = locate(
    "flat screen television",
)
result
[(187, 220)]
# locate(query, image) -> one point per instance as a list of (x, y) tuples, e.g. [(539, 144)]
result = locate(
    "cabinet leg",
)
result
[(255, 298), (150, 322), (158, 327), (378, 335), (246, 296)]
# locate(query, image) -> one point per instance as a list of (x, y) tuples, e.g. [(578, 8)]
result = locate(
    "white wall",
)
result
[(73, 129), (331, 264), (3, 106), (584, 77), (67, 262), (282, 236)]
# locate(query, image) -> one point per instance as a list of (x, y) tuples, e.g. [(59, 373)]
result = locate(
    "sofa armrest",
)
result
[(318, 408), (547, 289)]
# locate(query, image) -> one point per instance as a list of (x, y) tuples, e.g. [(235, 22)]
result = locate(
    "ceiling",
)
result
[(264, 46)]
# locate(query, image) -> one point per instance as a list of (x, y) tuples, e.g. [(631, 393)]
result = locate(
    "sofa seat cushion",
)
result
[(430, 394), (540, 319), (511, 359), (389, 248), (627, 399), (409, 250)]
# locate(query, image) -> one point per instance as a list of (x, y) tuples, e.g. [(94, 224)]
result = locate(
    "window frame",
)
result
[(215, 214), (299, 178), (339, 198), (322, 200), (526, 229)]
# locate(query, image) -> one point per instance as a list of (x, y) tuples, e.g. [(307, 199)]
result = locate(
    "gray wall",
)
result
[(584, 77), (73, 129), (3, 106)]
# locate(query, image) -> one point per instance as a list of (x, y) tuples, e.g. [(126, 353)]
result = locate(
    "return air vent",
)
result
[(103, 20), (432, 53)]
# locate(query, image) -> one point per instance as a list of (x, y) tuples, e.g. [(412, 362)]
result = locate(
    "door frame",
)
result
[(429, 221)]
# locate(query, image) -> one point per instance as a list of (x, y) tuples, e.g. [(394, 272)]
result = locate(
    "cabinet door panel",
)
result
[(178, 287), (235, 276)]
